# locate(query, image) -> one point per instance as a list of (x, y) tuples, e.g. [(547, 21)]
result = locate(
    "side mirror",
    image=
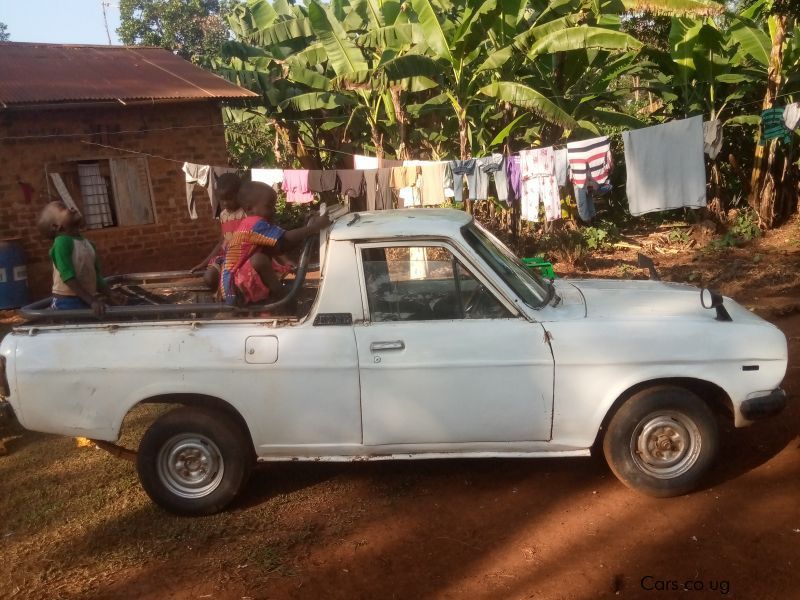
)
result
[(711, 299)]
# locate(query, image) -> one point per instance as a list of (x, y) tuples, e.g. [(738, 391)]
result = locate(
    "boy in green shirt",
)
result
[(76, 272)]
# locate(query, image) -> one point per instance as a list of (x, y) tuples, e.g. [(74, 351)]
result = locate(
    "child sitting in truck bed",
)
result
[(249, 275), (230, 217), (77, 281)]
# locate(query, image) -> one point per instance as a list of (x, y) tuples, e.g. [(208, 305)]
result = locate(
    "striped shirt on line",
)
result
[(589, 161)]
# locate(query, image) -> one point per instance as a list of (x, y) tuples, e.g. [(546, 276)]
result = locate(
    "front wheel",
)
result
[(662, 441), (193, 461)]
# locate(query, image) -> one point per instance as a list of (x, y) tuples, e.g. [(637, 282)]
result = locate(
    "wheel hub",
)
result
[(666, 444), (190, 465)]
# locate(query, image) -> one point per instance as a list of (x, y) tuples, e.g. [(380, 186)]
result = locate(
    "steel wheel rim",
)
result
[(190, 466), (666, 444)]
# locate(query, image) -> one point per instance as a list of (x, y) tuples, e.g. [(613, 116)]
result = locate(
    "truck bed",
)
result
[(182, 295)]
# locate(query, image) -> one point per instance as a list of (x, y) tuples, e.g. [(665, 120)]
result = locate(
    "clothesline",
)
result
[(305, 119)]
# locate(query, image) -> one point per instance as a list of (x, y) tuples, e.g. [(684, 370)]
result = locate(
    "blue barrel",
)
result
[(13, 275)]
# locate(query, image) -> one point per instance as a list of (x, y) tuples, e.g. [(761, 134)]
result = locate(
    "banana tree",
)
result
[(774, 180)]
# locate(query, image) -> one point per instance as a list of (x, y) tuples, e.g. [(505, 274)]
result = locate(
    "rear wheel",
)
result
[(194, 461), (662, 441)]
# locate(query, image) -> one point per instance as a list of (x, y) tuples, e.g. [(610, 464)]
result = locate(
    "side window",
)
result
[(109, 192), (424, 283)]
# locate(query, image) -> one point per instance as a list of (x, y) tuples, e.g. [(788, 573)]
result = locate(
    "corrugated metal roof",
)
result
[(32, 73)]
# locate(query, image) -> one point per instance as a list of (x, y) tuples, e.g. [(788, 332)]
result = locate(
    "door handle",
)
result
[(380, 346)]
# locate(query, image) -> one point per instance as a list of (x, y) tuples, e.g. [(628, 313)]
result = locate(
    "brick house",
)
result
[(110, 126)]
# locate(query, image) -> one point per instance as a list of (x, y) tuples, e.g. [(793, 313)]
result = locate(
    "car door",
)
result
[(443, 359)]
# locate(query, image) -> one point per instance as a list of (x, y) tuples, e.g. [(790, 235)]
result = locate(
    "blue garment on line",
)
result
[(494, 164), (584, 197), (460, 168)]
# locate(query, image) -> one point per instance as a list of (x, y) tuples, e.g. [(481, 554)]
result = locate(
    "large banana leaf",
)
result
[(523, 96), (744, 120), (506, 131), (583, 37), (308, 77), (432, 29), (410, 65), (262, 15), (472, 29), (282, 31), (343, 55), (311, 55), (243, 51), (683, 38), (616, 119), (283, 8), (369, 11), (523, 41), (317, 101), (752, 41), (393, 36)]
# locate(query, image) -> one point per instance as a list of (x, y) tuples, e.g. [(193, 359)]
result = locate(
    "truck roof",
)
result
[(408, 222)]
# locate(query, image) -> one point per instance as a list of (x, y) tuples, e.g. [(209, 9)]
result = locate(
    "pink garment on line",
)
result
[(295, 184), (538, 184)]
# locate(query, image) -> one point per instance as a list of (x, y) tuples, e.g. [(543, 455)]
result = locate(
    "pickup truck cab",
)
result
[(423, 337)]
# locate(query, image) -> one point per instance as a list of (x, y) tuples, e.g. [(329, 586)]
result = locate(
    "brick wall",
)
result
[(174, 241)]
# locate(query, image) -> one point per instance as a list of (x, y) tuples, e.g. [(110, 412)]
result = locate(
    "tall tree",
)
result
[(3, 32), (195, 29)]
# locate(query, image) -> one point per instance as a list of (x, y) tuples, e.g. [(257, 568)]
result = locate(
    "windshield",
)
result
[(531, 289)]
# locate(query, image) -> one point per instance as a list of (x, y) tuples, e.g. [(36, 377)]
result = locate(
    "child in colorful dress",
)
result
[(230, 217), (249, 273), (77, 282)]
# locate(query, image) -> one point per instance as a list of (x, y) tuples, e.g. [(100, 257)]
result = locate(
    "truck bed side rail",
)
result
[(41, 311)]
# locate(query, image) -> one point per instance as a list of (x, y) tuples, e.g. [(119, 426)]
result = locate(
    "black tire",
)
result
[(661, 441), (194, 461)]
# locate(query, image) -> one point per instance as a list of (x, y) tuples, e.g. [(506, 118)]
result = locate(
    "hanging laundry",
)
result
[(561, 168), (371, 187), (460, 169), (772, 126), (388, 163), (351, 182), (665, 166), (589, 166), (712, 138), (412, 196), (365, 162), (447, 181), (321, 181), (213, 195), (404, 181), (791, 116), (494, 165), (538, 184), (589, 161), (383, 189), (431, 178), (295, 184), (513, 172), (272, 177), (194, 175)]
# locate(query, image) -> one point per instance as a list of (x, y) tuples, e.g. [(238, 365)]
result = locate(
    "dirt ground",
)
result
[(74, 523)]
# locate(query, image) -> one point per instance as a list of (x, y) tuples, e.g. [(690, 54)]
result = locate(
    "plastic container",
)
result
[(545, 268), (13, 275)]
